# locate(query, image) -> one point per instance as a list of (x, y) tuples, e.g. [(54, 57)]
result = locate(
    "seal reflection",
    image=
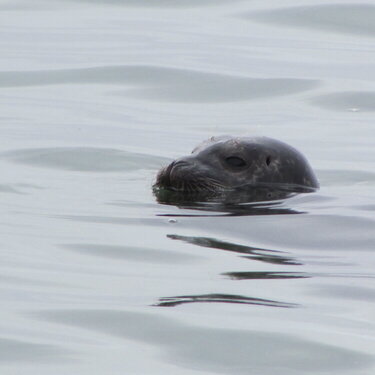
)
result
[(224, 298), (247, 252)]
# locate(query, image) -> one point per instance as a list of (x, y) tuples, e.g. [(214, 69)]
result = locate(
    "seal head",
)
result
[(224, 164)]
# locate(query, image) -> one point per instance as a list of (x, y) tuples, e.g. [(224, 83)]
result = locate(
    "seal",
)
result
[(249, 164)]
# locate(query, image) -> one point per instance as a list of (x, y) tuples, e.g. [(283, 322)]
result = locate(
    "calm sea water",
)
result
[(96, 276)]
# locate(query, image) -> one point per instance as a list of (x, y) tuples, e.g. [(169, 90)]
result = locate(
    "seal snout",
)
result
[(172, 175), (178, 171)]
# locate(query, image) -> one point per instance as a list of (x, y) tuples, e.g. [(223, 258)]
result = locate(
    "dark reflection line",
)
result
[(227, 209), (255, 253), (217, 244), (220, 298), (275, 259), (266, 275)]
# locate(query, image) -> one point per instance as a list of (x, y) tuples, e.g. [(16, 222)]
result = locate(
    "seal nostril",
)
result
[(268, 160)]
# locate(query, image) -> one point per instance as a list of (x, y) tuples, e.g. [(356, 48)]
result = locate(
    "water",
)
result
[(96, 276)]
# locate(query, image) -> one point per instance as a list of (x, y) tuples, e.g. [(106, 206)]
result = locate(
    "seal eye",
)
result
[(235, 161)]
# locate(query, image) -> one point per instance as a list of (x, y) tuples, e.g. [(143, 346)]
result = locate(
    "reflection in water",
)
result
[(264, 255), (225, 298), (239, 202), (255, 253), (266, 275)]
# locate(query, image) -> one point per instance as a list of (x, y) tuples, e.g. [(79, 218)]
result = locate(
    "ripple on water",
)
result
[(347, 292), (85, 159), (164, 84), (133, 253), (343, 18), (325, 232), (347, 101), (255, 351), (157, 3), (9, 189), (302, 232), (342, 177), (18, 188), (21, 351)]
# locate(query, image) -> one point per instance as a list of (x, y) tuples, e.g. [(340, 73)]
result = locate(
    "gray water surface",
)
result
[(97, 277)]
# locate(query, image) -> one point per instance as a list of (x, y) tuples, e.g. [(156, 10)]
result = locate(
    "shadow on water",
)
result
[(254, 253), (224, 298)]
